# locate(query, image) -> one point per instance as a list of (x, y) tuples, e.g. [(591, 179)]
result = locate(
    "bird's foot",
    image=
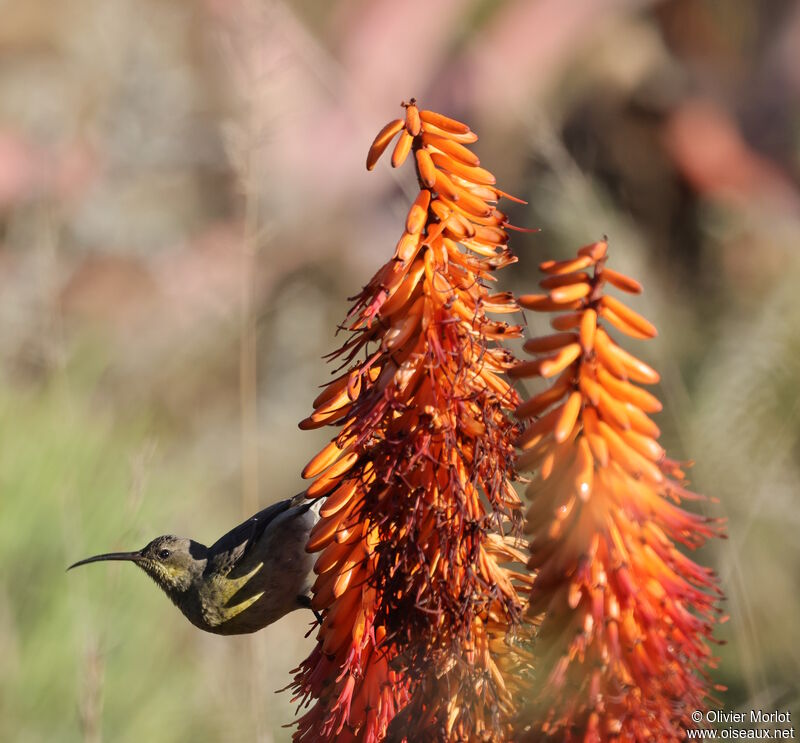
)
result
[(305, 602)]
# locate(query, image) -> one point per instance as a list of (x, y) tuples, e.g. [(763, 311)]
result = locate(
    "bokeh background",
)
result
[(184, 210)]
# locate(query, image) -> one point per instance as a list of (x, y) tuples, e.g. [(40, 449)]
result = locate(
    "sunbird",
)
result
[(249, 578)]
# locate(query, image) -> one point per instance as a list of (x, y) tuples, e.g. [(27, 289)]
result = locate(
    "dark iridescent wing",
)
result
[(232, 547)]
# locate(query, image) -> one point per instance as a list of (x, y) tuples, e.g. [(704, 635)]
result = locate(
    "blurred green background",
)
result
[(184, 210)]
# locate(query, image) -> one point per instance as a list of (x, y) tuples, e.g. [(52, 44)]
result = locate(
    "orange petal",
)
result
[(381, 142), (443, 122), (330, 557), (440, 209), (403, 328), (645, 445), (621, 281), (463, 220), (556, 364), (605, 348), (322, 485), (637, 370), (567, 321), (585, 466), (325, 529), (324, 459), (353, 576), (339, 634), (344, 610), (544, 303), (495, 383), (612, 411), (353, 386), (614, 319), (413, 123), (343, 464), (331, 390), (544, 400), (534, 433), (531, 459), (317, 420), (500, 303), (485, 193), (403, 293), (595, 251), (588, 328), (432, 233), (597, 443), (458, 227), (569, 416), (640, 422), (495, 219), (570, 293), (627, 392), (564, 279), (632, 318), (525, 369), (407, 247), (549, 342), (468, 172), (339, 498), (472, 205), (333, 396), (490, 235), (401, 149), (425, 167), (466, 138), (590, 388), (449, 147), (418, 213), (628, 457), (568, 266), (444, 186), (323, 592)]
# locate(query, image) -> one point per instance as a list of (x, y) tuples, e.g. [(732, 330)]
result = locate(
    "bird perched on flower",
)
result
[(249, 578)]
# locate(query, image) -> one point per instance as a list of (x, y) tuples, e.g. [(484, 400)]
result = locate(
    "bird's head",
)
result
[(172, 562)]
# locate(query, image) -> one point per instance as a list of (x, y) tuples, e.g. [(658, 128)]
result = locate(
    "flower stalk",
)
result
[(417, 597), (625, 616)]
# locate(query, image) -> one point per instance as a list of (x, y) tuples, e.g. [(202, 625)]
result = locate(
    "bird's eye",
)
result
[(163, 554)]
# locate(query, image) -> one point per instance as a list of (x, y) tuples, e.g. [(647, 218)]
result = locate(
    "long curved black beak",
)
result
[(132, 556)]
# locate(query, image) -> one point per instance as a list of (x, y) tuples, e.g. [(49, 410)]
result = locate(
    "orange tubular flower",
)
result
[(626, 617), (415, 595)]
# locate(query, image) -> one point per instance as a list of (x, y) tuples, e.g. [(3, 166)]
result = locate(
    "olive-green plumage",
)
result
[(247, 579)]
